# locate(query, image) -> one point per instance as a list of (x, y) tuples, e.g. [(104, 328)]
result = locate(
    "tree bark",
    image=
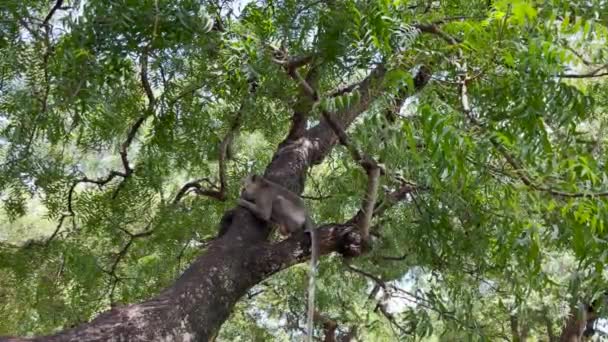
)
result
[(514, 328), (576, 323)]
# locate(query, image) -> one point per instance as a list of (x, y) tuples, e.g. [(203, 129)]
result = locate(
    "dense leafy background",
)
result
[(508, 220)]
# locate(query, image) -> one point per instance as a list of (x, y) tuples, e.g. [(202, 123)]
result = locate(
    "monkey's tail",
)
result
[(314, 246)]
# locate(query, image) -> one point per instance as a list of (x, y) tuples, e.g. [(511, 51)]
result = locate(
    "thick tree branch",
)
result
[(344, 238), (198, 189), (149, 111), (124, 147), (145, 82), (347, 89), (593, 73), (303, 105), (294, 63), (434, 29), (54, 9), (367, 163)]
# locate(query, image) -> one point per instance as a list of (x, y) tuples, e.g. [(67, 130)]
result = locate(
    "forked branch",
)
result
[(124, 147), (370, 166), (54, 9), (213, 191)]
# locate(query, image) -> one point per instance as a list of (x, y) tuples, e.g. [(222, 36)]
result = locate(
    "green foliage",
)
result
[(509, 214)]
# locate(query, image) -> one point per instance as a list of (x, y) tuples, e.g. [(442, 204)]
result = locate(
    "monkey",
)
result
[(273, 203)]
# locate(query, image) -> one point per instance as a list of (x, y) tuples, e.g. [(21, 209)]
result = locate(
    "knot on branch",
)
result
[(351, 244)]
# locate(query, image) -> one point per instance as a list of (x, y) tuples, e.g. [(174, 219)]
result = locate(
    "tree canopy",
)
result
[(126, 128)]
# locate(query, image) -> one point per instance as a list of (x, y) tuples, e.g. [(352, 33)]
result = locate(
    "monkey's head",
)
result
[(251, 186)]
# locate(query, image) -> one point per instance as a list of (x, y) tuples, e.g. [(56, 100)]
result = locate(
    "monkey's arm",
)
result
[(259, 211)]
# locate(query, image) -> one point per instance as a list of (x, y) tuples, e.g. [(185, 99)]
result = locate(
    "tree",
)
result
[(129, 125)]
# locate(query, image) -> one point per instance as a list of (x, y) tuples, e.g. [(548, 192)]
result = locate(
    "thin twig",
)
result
[(434, 29), (213, 192), (591, 74), (518, 168), (394, 258)]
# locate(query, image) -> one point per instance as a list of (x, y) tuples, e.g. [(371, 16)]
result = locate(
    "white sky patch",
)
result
[(237, 6)]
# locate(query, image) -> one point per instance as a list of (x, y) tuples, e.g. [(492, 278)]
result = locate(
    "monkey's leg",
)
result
[(263, 215), (290, 216)]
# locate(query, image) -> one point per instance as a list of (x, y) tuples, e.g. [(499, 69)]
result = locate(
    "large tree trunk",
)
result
[(194, 308)]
